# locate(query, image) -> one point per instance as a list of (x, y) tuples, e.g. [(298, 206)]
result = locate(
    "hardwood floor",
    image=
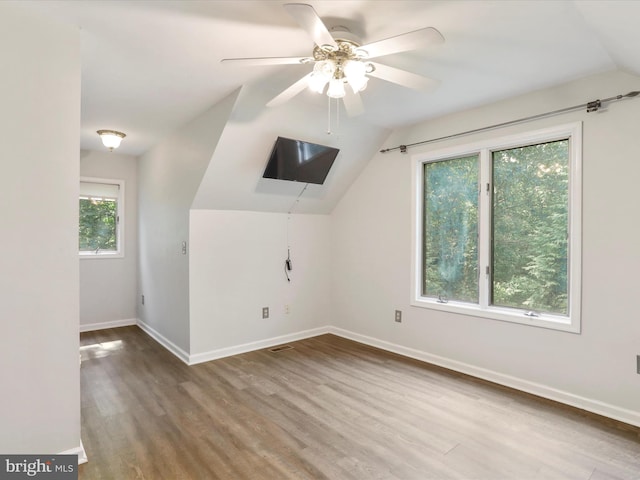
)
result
[(328, 408)]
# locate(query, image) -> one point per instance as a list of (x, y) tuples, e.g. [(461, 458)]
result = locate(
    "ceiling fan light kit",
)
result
[(339, 59), (337, 66)]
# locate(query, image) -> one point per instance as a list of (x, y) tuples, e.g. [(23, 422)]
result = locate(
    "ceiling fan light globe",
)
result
[(326, 68), (317, 82), (336, 88), (354, 69), (355, 72), (358, 84)]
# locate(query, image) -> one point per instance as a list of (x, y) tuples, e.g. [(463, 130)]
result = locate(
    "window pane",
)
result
[(450, 259), (530, 227), (98, 224)]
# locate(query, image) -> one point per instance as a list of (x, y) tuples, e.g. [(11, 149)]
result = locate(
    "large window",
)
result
[(100, 230), (498, 229)]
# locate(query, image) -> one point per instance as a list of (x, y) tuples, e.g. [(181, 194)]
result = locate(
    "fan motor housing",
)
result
[(342, 33)]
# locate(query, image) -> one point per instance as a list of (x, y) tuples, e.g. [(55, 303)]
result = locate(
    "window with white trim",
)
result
[(498, 229), (101, 218)]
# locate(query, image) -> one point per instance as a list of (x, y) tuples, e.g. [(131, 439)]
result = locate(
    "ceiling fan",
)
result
[(341, 65)]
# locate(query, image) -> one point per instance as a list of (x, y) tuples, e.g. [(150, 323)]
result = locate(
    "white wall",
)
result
[(237, 267), (168, 178), (371, 240), (39, 134), (108, 286)]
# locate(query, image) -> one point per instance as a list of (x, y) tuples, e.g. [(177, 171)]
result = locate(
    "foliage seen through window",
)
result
[(98, 224)]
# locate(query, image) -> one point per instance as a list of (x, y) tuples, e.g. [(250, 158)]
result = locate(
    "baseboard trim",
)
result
[(164, 341), (258, 345), (594, 406), (590, 405), (90, 327), (79, 451)]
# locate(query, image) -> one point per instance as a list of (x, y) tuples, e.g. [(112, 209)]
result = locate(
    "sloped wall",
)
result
[(168, 178), (234, 180)]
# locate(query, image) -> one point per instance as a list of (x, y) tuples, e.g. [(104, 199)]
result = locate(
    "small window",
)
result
[(100, 233), (497, 230)]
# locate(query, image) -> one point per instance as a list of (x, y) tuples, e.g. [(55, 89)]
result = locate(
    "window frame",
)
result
[(119, 253), (484, 149)]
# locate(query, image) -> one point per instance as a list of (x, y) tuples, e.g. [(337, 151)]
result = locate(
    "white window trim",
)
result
[(570, 323), (119, 253)]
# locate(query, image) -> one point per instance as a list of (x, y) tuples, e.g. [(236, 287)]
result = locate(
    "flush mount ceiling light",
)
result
[(111, 138)]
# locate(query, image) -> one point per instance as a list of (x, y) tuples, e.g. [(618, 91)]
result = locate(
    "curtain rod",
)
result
[(593, 106)]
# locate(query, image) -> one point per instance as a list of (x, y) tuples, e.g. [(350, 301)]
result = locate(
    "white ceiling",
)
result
[(150, 66)]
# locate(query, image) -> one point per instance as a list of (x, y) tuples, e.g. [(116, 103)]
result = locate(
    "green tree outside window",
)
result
[(98, 222)]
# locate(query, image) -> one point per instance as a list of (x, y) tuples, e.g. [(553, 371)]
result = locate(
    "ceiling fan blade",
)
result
[(401, 43), (352, 103), (290, 92), (267, 61), (404, 78), (309, 20)]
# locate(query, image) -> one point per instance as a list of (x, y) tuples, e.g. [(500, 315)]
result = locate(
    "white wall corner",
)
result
[(259, 345), (79, 451), (164, 341)]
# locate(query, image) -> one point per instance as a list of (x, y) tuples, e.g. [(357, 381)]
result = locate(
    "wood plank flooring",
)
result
[(327, 409)]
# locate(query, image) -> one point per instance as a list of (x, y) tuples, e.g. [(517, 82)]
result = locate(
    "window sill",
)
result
[(553, 322), (96, 256)]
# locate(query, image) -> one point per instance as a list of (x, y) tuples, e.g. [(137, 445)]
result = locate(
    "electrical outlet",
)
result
[(265, 312), (142, 299), (184, 248), (287, 310), (398, 317)]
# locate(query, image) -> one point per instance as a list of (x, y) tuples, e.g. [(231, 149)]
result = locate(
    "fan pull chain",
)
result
[(328, 115), (329, 132)]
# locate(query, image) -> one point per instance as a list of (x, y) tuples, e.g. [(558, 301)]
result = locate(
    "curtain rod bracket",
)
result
[(594, 106), (403, 149)]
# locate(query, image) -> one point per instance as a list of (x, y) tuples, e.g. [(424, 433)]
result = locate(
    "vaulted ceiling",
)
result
[(150, 66)]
